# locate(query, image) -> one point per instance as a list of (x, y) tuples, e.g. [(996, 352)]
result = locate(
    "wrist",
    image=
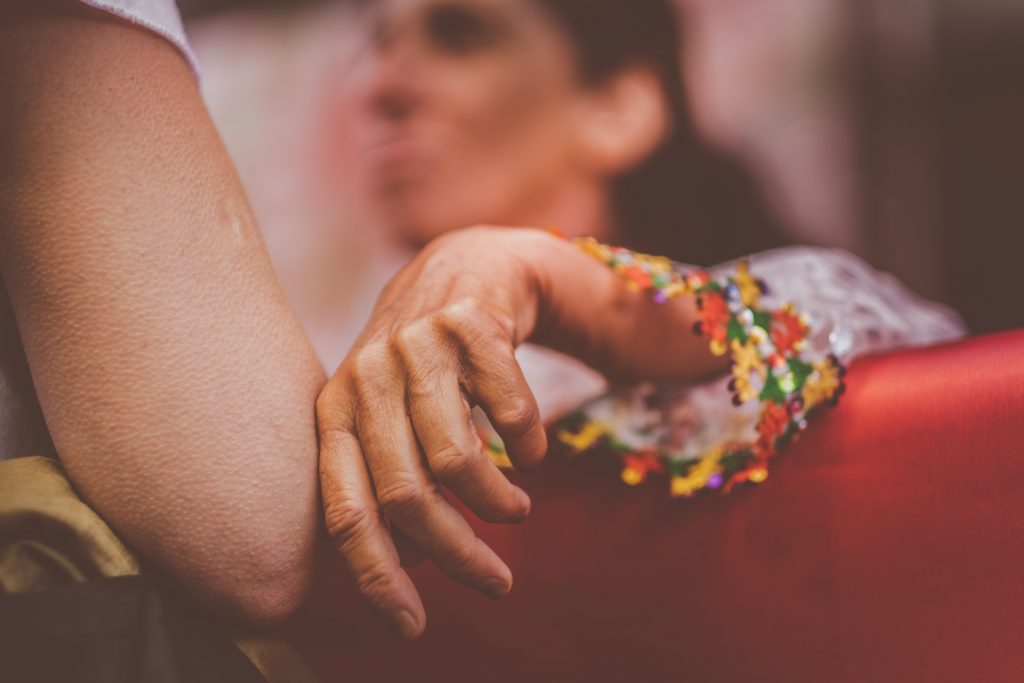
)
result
[(530, 248), (545, 260), (580, 306)]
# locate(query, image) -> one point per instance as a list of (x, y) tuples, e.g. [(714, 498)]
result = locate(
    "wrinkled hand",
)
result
[(395, 426)]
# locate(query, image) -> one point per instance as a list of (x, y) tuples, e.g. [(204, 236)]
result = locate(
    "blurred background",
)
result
[(891, 129)]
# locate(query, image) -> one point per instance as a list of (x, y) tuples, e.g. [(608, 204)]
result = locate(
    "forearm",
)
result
[(177, 384)]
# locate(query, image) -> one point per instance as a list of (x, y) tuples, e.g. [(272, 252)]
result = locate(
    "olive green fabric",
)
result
[(49, 538)]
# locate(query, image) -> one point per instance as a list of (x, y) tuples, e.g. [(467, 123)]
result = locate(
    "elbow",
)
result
[(264, 599), (261, 580)]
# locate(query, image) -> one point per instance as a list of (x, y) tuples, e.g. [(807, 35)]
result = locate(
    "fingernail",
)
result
[(405, 623), (525, 505), (497, 588)]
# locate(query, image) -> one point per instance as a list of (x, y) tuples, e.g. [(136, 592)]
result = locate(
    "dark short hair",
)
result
[(687, 200)]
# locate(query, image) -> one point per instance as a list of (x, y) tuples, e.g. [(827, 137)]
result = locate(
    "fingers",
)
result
[(440, 416), (360, 533), (497, 383), (413, 502), (501, 390), (408, 553)]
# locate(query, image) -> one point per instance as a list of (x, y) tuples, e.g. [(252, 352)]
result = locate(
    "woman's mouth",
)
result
[(398, 158)]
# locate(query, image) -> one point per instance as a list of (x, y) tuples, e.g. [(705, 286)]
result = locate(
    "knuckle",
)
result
[(423, 387), (464, 560), (324, 404), (330, 405), (451, 463), (464, 317), (377, 584), (367, 365), (333, 441), (409, 341), (345, 521), (403, 499), (518, 417), (477, 230), (467, 235)]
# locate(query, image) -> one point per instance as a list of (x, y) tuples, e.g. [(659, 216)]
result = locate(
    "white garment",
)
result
[(159, 16)]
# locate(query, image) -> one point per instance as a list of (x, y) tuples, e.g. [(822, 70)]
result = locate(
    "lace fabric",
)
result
[(853, 308)]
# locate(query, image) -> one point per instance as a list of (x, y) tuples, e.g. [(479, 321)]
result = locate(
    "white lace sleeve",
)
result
[(853, 309)]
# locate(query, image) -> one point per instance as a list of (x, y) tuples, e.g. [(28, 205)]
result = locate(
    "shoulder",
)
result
[(160, 16)]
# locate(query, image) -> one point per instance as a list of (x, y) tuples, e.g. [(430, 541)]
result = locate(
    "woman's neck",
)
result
[(576, 209)]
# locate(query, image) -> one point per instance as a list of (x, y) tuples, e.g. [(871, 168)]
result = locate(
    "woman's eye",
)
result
[(461, 30)]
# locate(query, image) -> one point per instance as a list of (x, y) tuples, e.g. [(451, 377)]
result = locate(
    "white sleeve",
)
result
[(853, 309), (159, 16)]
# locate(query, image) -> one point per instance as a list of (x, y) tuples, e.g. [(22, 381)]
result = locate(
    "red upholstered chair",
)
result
[(887, 545)]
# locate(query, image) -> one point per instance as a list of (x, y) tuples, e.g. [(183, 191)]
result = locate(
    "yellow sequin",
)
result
[(586, 437), (746, 361), (821, 385), (697, 477), (632, 476), (500, 458), (758, 475), (750, 291)]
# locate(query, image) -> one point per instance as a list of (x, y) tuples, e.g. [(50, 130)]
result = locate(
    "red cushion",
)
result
[(888, 544)]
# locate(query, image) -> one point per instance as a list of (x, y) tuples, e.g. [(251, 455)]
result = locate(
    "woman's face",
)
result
[(466, 115)]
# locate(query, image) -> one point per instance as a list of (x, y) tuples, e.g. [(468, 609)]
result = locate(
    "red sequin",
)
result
[(639, 276), (773, 424), (788, 330), (644, 462), (714, 313)]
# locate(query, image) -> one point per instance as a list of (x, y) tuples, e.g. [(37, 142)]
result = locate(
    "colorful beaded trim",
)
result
[(765, 347)]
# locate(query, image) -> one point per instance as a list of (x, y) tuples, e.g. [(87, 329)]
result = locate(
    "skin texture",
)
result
[(472, 112), (178, 387), (175, 381), (394, 420)]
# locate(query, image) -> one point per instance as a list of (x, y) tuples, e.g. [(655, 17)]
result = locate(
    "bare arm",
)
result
[(175, 380)]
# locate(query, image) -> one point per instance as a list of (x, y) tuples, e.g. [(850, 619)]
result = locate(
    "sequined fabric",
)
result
[(853, 310)]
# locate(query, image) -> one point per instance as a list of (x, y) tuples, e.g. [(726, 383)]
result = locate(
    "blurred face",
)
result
[(466, 115)]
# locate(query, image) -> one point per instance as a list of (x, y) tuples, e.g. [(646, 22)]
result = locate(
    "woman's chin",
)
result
[(417, 228), (420, 212), (417, 215)]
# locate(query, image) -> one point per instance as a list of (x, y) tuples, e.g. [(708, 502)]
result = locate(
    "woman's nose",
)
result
[(395, 89)]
